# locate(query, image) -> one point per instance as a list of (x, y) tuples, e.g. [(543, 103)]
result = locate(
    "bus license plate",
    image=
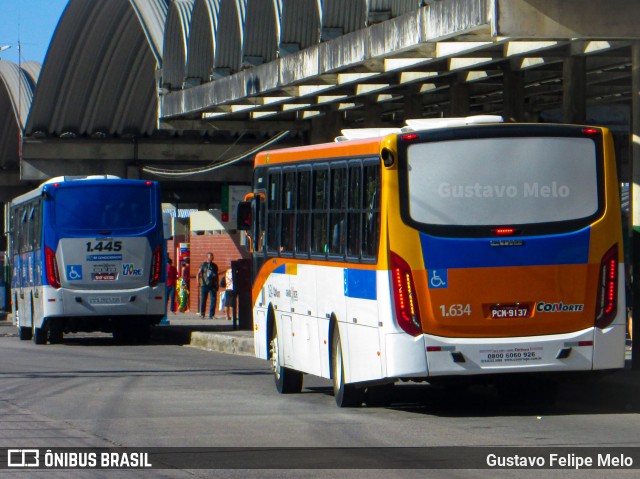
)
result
[(105, 300), (509, 311)]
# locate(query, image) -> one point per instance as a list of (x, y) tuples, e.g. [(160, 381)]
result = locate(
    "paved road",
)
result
[(91, 392)]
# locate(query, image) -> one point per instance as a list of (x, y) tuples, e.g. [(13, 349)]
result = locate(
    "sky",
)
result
[(32, 22)]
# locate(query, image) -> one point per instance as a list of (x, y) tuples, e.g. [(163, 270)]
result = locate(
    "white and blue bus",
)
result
[(87, 255)]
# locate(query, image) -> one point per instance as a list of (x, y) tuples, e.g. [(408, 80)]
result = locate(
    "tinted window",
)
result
[(103, 207), (511, 181)]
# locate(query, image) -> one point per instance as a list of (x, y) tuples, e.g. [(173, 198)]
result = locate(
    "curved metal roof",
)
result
[(16, 93), (99, 73), (202, 36), (301, 24), (385, 9), (176, 35), (229, 37), (340, 17), (261, 32)]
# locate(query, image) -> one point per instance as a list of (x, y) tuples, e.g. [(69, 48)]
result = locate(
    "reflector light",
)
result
[(590, 131), (51, 265), (409, 137), (434, 349), (607, 302), (156, 266), (585, 343), (504, 231), (404, 294), (148, 183)]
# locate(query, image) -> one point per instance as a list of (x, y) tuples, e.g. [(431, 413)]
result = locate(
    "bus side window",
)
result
[(319, 211), (337, 220), (35, 227), (287, 230), (354, 223), (24, 229), (371, 212), (302, 218), (273, 212)]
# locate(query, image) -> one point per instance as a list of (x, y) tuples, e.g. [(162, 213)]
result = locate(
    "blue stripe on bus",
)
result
[(282, 269), (445, 253), (360, 283)]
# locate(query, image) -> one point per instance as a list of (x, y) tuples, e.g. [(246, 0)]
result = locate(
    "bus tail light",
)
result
[(51, 264), (405, 297), (156, 266), (607, 301)]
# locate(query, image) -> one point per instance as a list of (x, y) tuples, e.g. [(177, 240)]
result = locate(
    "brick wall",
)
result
[(225, 248), (172, 245)]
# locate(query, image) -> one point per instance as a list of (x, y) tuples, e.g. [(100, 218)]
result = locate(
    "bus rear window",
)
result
[(495, 181), (103, 208)]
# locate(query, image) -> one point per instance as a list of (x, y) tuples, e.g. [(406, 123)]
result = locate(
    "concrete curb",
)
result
[(223, 343)]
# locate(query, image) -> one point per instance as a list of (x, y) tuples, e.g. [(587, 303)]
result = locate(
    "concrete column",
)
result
[(459, 99), (326, 127), (574, 86), (634, 136), (413, 103), (513, 94), (373, 114)]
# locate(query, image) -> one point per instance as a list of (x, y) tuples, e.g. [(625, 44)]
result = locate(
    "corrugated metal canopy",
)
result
[(229, 37), (340, 17), (261, 32), (16, 93), (176, 35), (301, 24), (202, 36), (99, 72)]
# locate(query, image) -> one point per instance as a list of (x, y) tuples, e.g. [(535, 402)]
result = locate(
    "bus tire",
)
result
[(54, 331), (39, 335), (288, 381), (347, 395), (379, 396), (142, 333), (24, 333)]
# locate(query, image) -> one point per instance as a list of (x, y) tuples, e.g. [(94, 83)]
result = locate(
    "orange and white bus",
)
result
[(449, 250)]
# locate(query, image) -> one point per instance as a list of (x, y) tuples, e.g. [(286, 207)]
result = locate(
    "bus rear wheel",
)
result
[(347, 395), (39, 335), (288, 381), (54, 330)]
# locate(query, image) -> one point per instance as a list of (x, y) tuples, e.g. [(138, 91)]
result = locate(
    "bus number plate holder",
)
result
[(105, 300), (498, 311)]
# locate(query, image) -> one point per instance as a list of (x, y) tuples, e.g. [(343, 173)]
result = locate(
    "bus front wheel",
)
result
[(347, 395), (288, 381)]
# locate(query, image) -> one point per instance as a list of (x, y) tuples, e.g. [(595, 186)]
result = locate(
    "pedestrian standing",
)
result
[(208, 282), (172, 276), (229, 299)]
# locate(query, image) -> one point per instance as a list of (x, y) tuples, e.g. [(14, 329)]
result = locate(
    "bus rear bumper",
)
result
[(69, 303), (585, 350)]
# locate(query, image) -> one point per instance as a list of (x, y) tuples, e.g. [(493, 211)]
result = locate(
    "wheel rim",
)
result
[(275, 360), (337, 368)]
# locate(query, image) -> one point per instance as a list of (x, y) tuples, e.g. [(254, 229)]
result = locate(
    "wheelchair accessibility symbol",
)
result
[(438, 278), (74, 272)]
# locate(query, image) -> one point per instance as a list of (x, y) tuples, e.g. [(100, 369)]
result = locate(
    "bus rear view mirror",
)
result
[(244, 216)]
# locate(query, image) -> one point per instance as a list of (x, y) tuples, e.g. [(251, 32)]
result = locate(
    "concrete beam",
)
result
[(233, 125), (359, 51), (565, 19), (43, 159)]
